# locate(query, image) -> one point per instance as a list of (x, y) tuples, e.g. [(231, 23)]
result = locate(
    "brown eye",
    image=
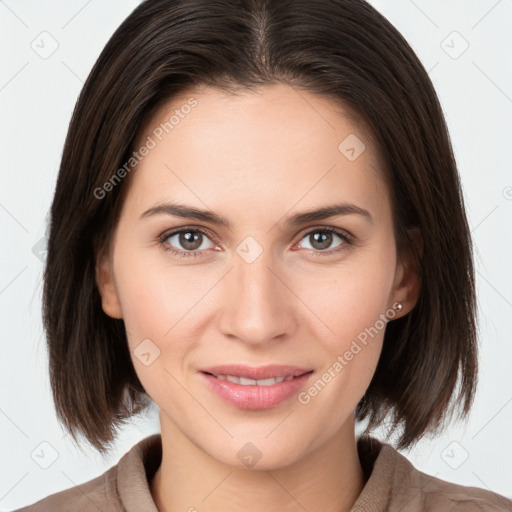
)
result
[(186, 240), (322, 239), (190, 240)]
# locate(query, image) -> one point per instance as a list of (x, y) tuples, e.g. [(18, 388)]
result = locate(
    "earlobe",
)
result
[(106, 286), (407, 280)]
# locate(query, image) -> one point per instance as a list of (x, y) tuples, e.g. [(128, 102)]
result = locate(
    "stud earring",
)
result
[(397, 307)]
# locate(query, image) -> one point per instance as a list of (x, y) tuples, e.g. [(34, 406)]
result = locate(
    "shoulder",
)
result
[(439, 494), (123, 486), (97, 494), (434, 494), (395, 484)]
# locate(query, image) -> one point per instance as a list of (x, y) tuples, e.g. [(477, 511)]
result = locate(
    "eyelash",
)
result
[(347, 240)]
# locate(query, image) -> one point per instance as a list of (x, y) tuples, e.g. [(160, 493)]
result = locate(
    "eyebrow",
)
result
[(190, 212)]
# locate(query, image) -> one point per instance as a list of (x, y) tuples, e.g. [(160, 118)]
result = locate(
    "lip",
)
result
[(256, 372), (256, 397)]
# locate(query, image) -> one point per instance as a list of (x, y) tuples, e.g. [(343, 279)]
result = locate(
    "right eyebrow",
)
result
[(187, 212)]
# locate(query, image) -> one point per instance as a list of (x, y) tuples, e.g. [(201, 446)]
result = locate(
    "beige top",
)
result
[(393, 484)]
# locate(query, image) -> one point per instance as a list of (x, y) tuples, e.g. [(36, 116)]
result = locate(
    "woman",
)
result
[(254, 226)]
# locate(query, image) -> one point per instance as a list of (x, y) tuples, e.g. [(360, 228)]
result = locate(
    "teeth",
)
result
[(252, 382)]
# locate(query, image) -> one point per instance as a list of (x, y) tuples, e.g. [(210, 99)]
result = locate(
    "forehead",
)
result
[(275, 145)]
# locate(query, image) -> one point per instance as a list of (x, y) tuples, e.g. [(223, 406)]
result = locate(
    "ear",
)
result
[(406, 286), (106, 286)]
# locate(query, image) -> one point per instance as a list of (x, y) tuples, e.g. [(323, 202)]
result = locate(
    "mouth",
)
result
[(243, 381), (255, 375), (256, 387)]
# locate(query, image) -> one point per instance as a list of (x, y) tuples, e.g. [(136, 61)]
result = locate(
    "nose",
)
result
[(257, 306)]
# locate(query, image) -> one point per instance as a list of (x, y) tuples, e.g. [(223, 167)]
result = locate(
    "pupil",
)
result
[(324, 238), (189, 240)]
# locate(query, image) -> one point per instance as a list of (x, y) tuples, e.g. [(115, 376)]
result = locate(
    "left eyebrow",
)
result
[(329, 211), (190, 212)]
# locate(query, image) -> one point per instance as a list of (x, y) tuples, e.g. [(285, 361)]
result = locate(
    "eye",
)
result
[(321, 239), (185, 242)]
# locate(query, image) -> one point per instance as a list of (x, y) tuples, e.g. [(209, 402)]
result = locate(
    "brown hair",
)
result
[(341, 49)]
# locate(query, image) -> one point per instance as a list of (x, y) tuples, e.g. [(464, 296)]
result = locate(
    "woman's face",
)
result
[(258, 289)]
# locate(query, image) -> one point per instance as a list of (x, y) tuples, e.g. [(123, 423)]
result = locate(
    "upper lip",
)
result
[(256, 372)]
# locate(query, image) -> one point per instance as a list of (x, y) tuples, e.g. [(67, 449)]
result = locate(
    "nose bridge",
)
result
[(255, 308)]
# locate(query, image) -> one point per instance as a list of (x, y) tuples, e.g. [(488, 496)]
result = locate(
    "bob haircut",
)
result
[(343, 50)]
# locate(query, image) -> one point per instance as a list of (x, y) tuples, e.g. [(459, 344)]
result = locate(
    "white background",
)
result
[(37, 97)]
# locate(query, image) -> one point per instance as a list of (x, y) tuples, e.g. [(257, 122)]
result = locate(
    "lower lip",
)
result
[(256, 397)]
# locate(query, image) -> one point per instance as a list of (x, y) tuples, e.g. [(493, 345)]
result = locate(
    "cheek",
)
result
[(155, 296), (354, 311), (349, 299), (353, 305), (155, 302)]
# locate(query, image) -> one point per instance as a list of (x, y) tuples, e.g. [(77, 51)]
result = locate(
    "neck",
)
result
[(328, 479)]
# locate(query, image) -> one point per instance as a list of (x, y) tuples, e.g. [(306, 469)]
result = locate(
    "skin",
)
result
[(256, 159)]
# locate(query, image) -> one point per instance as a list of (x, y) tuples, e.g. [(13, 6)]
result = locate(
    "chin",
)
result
[(257, 455)]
